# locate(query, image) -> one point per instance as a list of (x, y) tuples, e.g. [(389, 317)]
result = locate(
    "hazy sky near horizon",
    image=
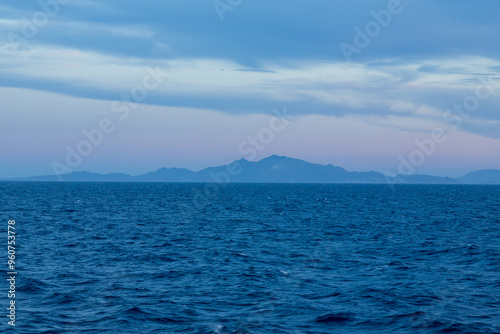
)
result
[(367, 84)]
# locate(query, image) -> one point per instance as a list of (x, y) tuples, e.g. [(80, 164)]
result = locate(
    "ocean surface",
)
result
[(253, 258)]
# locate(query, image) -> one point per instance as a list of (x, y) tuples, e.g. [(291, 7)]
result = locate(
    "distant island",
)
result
[(273, 169)]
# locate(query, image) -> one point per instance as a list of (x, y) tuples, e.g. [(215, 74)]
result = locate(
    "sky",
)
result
[(128, 86)]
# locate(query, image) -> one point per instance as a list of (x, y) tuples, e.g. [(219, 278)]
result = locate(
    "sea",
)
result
[(252, 258)]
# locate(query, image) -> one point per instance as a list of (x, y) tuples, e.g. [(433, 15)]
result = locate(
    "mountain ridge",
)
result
[(272, 169)]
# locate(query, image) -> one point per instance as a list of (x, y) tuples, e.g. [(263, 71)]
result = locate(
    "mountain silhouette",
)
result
[(273, 169), (485, 176)]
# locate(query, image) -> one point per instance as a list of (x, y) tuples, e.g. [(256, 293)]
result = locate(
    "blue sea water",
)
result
[(254, 258)]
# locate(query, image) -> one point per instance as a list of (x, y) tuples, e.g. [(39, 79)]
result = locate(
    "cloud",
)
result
[(253, 70), (285, 29), (382, 89), (398, 94), (140, 31), (6, 24)]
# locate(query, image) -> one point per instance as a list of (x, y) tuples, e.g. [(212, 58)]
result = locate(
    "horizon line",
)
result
[(245, 160)]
